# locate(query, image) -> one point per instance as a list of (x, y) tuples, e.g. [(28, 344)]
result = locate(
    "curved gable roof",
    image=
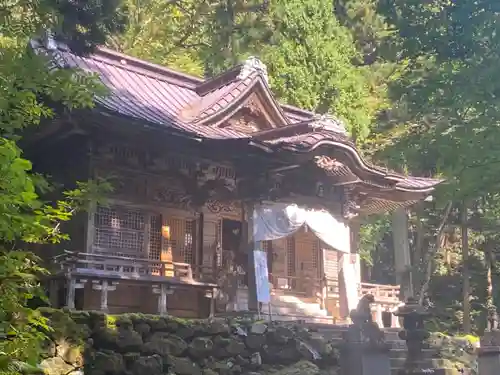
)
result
[(196, 107)]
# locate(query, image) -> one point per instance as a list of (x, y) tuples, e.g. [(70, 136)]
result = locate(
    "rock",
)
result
[(159, 325), (142, 328), (124, 322), (331, 370), (218, 327), (105, 363), (284, 354), (56, 366), (221, 342), (150, 365), (209, 371), (163, 344), (235, 347), (200, 347), (302, 332), (185, 332), (130, 359), (236, 369), (281, 335), (319, 343), (239, 331), (307, 352), (299, 368), (258, 328), (183, 366), (128, 340), (222, 367), (256, 359), (242, 360), (255, 341)]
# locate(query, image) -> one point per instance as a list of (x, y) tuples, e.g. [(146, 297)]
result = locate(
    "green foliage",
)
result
[(20, 326), (310, 56), (30, 87), (310, 60), (153, 33)]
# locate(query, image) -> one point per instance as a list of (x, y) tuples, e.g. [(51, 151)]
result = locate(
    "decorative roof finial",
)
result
[(251, 65), (327, 121)]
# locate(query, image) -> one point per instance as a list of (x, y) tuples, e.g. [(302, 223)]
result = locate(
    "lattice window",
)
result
[(119, 231), (266, 246), (218, 247), (182, 233), (290, 256), (209, 242), (187, 248), (316, 253), (155, 237)]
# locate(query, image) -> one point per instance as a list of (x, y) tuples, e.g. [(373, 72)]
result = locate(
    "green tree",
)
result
[(29, 83), (311, 57), (444, 119)]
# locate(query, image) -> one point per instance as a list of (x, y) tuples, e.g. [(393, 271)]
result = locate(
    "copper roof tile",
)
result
[(150, 93)]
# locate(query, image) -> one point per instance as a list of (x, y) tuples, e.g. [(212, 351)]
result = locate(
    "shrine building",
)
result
[(205, 171)]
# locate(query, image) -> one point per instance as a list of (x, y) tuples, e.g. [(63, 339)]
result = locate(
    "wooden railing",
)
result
[(131, 266), (298, 284), (384, 294)]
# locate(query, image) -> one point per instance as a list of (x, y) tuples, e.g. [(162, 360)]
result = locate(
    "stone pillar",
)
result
[(402, 253), (364, 351), (162, 291), (72, 285), (104, 286), (489, 352), (212, 302)]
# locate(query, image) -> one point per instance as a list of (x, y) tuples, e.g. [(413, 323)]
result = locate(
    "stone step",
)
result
[(402, 353), (425, 363)]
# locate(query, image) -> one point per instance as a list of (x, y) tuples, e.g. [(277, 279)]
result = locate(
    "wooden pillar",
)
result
[(54, 293), (402, 258), (199, 244), (250, 247), (70, 293), (72, 285), (163, 291), (212, 302), (89, 239), (104, 286), (354, 227)]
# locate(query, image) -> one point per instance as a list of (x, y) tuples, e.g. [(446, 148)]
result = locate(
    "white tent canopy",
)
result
[(278, 220)]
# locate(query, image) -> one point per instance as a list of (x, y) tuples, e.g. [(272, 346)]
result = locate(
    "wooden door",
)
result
[(306, 249)]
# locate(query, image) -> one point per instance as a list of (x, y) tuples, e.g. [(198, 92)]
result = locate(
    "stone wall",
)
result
[(135, 344)]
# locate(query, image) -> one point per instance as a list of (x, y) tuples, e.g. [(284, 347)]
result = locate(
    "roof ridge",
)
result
[(147, 67)]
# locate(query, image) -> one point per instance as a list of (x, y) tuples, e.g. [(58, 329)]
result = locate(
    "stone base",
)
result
[(430, 371)]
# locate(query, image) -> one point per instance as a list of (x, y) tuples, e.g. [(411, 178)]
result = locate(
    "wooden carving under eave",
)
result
[(327, 163), (250, 118), (217, 207)]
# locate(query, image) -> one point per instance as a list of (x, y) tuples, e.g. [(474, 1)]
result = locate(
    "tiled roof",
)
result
[(160, 96), (143, 96)]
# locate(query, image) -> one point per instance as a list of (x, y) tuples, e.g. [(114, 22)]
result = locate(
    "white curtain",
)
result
[(278, 220), (350, 265)]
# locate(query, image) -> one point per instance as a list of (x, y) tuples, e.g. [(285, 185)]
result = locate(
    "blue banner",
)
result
[(262, 276)]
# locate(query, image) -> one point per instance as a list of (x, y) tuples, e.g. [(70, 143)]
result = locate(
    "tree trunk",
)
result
[(433, 251), (465, 270), (488, 255), (418, 250)]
